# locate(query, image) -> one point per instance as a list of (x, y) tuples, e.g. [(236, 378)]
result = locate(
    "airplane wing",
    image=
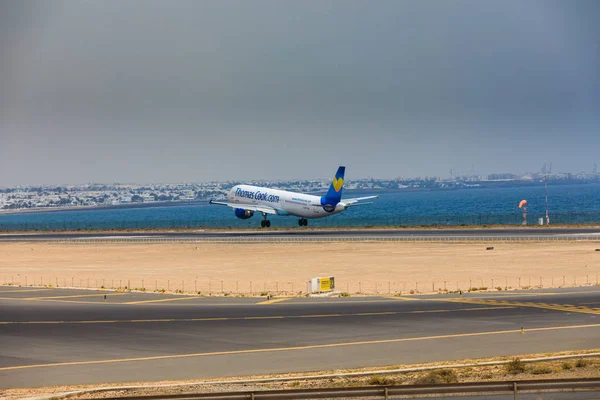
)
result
[(250, 207)]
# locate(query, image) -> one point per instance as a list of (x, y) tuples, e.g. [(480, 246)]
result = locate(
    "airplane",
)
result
[(246, 200)]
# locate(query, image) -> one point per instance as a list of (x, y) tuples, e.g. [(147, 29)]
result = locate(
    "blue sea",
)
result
[(567, 204)]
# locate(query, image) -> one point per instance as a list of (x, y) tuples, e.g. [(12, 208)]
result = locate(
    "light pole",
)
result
[(546, 192)]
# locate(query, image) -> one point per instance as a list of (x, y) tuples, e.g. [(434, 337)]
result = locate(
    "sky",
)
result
[(152, 91)]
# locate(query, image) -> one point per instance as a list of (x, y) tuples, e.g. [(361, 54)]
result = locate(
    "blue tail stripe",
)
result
[(334, 194)]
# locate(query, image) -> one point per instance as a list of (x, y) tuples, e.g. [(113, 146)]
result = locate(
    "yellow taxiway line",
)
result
[(163, 300), (296, 348), (154, 302), (272, 301), (401, 298), (547, 306), (509, 293), (23, 290), (60, 299), (335, 302), (98, 294), (365, 314)]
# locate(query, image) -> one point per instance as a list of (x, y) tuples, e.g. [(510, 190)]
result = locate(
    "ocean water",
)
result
[(567, 204)]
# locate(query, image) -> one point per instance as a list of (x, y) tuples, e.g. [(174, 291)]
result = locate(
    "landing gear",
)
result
[(265, 223), (303, 222)]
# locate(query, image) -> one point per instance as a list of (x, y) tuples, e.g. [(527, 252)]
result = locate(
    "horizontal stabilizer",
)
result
[(356, 200), (358, 204)]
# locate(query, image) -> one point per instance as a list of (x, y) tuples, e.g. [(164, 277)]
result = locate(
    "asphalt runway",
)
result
[(61, 336), (513, 232)]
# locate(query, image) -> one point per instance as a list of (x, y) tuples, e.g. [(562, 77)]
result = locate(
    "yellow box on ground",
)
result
[(322, 284), (325, 284)]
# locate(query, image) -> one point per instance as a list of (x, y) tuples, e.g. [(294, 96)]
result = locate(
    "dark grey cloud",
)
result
[(192, 91)]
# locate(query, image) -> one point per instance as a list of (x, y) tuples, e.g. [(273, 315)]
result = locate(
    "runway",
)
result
[(60, 336), (320, 234)]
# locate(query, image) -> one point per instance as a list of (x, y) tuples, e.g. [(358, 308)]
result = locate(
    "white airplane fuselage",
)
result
[(284, 202)]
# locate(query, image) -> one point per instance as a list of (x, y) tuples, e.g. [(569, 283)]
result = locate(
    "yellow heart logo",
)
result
[(338, 183)]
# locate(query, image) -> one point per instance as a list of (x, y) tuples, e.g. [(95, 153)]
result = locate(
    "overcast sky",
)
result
[(172, 91)]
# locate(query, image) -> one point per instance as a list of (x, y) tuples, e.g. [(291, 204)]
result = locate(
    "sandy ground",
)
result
[(284, 268)]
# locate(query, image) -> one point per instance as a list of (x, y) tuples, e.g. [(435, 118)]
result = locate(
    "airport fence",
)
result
[(336, 221), (224, 287), (283, 239)]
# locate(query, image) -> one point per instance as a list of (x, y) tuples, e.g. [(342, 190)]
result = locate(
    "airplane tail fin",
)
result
[(334, 194)]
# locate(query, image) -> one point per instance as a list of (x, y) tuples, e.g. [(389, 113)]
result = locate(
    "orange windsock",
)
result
[(523, 203)]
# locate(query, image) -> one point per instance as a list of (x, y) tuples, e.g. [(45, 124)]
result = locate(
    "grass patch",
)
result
[(581, 363), (566, 366), (515, 366), (438, 376), (381, 380), (541, 370), (344, 294)]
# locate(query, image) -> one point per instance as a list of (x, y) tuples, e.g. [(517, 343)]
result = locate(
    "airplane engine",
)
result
[(243, 214)]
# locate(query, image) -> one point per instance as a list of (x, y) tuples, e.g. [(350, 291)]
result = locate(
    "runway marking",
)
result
[(23, 290), (251, 317), (547, 306), (335, 302), (77, 301), (163, 300), (274, 300), (58, 301), (472, 295), (401, 298), (298, 348), (509, 293), (289, 301), (499, 307), (205, 304), (99, 294), (123, 303), (491, 295)]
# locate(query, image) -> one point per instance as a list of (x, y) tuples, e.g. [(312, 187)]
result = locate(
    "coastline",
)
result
[(111, 207), (362, 191)]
